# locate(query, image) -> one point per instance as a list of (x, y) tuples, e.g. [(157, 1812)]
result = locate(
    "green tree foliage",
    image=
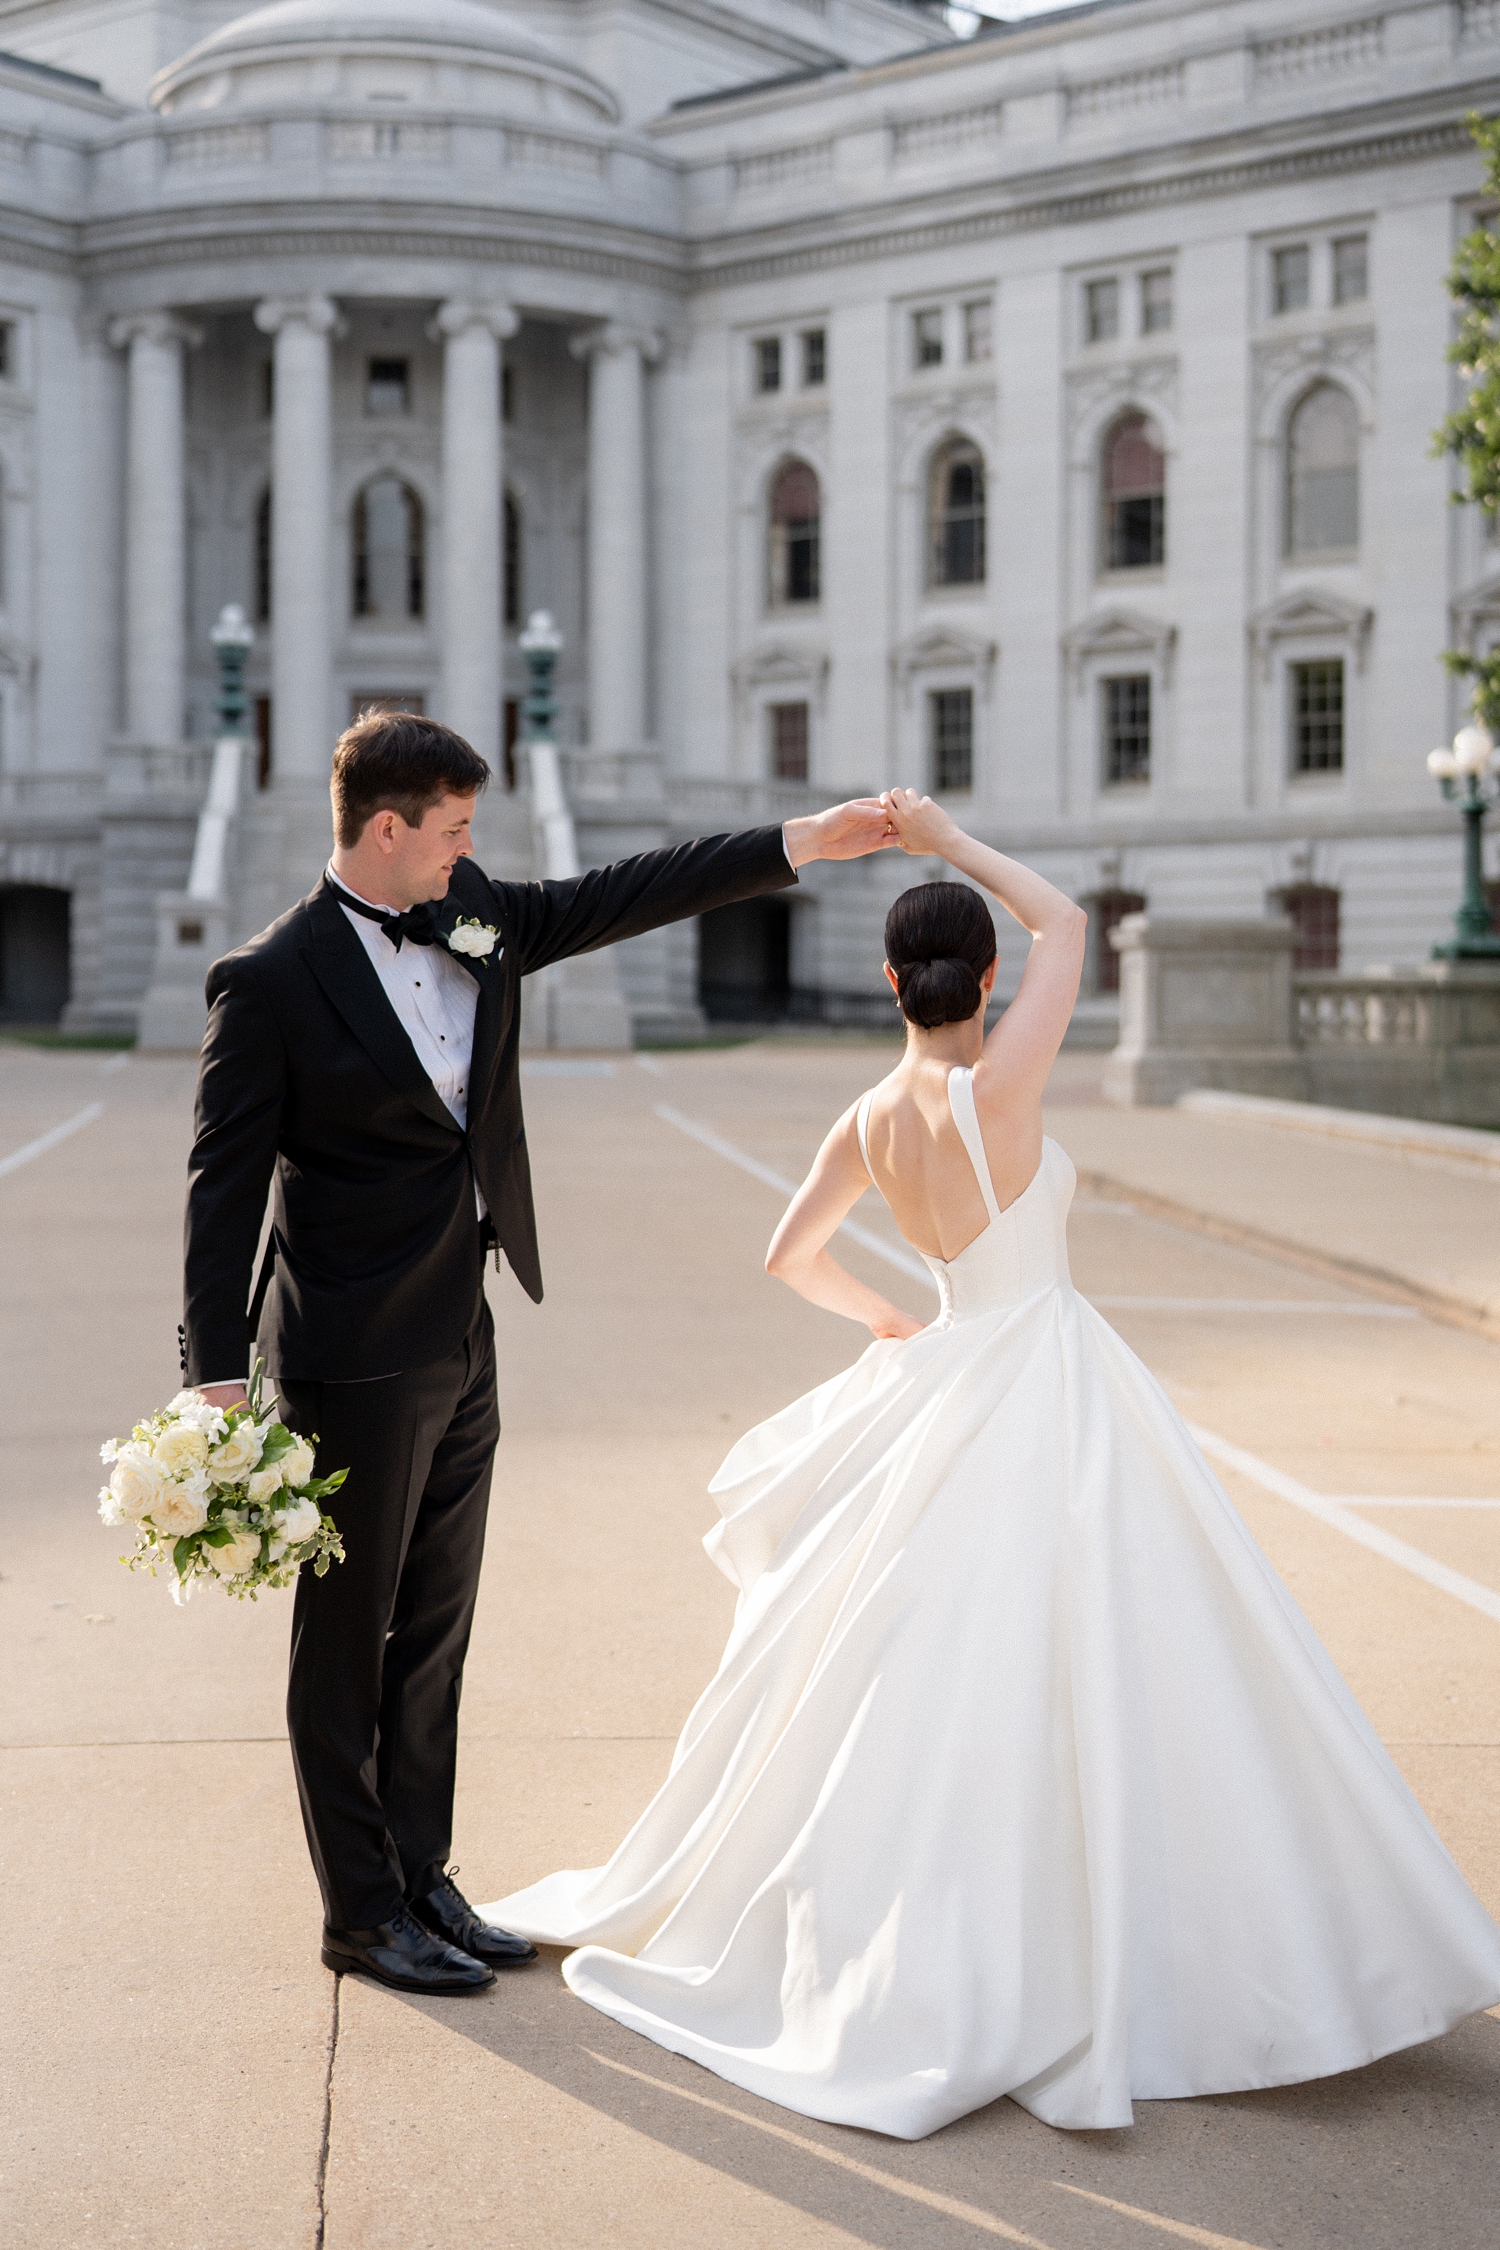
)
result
[(1472, 435)]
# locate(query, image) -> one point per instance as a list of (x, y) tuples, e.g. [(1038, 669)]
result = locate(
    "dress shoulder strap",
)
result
[(966, 1118), (861, 1123)]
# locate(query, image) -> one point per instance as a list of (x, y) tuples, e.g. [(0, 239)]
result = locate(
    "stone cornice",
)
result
[(715, 267)]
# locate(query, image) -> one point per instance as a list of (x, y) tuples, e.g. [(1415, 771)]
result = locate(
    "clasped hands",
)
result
[(898, 818)]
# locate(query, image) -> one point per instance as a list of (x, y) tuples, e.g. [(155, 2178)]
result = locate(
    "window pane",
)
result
[(1313, 909), (1107, 910), (1134, 490), (1290, 278), (1101, 311), (768, 364), (511, 599), (956, 527), (1127, 729), (1323, 473), (1156, 301), (388, 560), (978, 330), (814, 358), (951, 734), (386, 387), (1318, 717), (927, 339), (1350, 271), (795, 514), (789, 741), (262, 611)]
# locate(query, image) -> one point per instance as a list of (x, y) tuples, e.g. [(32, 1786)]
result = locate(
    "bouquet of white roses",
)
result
[(228, 1493)]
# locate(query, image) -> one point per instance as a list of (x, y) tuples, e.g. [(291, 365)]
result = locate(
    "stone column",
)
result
[(155, 525), (617, 533), (303, 721), (473, 520)]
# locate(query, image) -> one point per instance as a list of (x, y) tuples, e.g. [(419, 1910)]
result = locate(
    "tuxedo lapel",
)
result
[(491, 972), (347, 976)]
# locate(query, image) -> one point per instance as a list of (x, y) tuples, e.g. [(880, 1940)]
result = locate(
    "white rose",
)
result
[(193, 1408), (185, 1401), (263, 1484), (181, 1449), (237, 1557), (299, 1522), (472, 938), (137, 1483), (177, 1512), (236, 1454), (296, 1464), (109, 1507)]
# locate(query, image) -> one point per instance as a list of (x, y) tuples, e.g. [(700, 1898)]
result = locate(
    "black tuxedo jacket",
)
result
[(308, 1075)]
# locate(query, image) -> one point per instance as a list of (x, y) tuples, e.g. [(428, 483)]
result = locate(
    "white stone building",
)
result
[(1041, 416)]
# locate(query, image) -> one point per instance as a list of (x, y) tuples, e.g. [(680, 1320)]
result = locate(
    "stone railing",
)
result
[(52, 796), (1346, 1011)]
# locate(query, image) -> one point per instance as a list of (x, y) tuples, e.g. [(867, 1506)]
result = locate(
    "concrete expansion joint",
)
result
[(320, 2221)]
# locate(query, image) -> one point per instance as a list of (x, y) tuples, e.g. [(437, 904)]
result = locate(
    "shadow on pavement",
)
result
[(1401, 2154)]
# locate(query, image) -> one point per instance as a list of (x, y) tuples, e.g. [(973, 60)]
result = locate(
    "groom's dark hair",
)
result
[(397, 761)]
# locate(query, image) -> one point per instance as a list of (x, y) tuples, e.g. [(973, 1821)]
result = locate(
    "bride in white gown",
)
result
[(1022, 1772)]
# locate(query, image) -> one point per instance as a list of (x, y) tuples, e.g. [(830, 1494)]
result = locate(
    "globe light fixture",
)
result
[(540, 644), (1461, 772), (233, 638)]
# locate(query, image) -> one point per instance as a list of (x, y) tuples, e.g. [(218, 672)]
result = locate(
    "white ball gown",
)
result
[(1022, 1772)]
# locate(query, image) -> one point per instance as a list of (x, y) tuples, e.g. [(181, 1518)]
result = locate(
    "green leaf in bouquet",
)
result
[(222, 1535), (182, 1554), (278, 1440)]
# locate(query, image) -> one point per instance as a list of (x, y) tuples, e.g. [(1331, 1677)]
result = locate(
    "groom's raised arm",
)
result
[(548, 921), (237, 1117)]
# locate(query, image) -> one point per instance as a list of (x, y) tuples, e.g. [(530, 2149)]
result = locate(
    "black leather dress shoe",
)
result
[(447, 1914), (403, 1954)]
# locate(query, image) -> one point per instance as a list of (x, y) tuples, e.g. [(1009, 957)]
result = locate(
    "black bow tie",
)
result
[(418, 923)]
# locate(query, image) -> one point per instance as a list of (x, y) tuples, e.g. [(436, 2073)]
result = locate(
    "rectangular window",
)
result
[(979, 340), (1291, 278), (507, 394), (768, 363), (262, 742), (1101, 311), (788, 725), (951, 736), (1156, 301), (814, 358), (1127, 729), (267, 388), (927, 338), (7, 350), (1313, 910), (1351, 270), (1318, 716), (387, 386)]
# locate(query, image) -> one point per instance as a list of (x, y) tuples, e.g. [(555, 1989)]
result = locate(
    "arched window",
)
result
[(955, 515), (796, 512), (262, 558), (1322, 473), (511, 610), (1134, 485), (389, 571)]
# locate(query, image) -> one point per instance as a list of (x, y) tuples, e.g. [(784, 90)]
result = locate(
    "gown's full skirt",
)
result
[(1022, 1772)]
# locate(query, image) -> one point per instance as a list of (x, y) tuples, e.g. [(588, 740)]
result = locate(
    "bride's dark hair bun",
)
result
[(939, 939)]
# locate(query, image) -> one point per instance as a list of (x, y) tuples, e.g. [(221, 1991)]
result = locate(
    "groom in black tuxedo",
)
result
[(361, 1062)]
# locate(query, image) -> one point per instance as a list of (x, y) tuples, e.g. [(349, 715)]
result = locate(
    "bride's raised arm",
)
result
[(1019, 1052), (799, 1255)]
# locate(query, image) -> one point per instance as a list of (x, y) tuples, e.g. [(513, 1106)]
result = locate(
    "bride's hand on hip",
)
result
[(922, 827), (892, 1323)]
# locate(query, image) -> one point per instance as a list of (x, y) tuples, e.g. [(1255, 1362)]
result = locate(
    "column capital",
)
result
[(459, 314), (320, 314), (158, 327), (616, 337)]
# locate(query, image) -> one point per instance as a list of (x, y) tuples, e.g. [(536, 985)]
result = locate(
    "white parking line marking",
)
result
[(1354, 1307), (20, 1156), (1338, 1515), (1390, 1500)]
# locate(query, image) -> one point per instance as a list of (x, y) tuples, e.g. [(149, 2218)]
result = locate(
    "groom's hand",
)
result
[(843, 832), (224, 1395)]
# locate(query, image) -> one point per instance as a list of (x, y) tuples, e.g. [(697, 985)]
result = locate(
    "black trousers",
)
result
[(378, 1645)]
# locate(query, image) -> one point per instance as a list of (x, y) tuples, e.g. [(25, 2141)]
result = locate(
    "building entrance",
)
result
[(35, 966)]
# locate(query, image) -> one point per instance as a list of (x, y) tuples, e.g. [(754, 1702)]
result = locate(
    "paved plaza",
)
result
[(178, 2071)]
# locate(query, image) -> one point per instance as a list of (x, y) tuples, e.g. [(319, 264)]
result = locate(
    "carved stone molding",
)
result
[(919, 421), (318, 313), (1119, 632), (1307, 616), (1476, 608), (1093, 392), (943, 648), (156, 328), (458, 314), (1334, 352), (782, 664), (616, 336)]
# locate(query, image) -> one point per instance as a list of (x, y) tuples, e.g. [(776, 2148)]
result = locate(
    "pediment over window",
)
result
[(782, 664), (943, 648), (1119, 632), (1477, 608), (1306, 616)]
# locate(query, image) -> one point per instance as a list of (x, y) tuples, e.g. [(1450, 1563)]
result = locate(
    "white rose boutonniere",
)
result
[(474, 939)]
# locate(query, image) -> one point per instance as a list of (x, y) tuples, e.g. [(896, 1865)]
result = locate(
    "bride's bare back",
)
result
[(916, 1158)]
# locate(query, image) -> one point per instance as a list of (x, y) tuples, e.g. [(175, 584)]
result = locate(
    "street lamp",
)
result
[(1462, 772), (233, 638), (540, 644)]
